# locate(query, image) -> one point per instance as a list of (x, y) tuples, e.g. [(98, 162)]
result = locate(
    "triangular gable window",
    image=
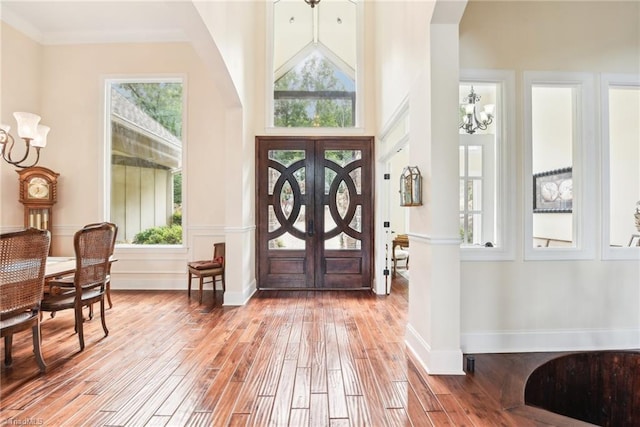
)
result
[(315, 60), (315, 93)]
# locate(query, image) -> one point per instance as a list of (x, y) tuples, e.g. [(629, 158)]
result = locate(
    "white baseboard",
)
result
[(543, 341), (230, 298), (240, 298), (155, 284), (435, 362)]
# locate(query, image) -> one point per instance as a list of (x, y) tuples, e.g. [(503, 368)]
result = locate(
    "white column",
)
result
[(239, 199), (433, 330)]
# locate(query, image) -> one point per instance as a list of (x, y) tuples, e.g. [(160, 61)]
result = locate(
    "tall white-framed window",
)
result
[(620, 103), (314, 66), (143, 123), (559, 159), (487, 172), (477, 191)]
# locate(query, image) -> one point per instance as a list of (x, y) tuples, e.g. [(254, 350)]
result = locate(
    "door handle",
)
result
[(310, 228)]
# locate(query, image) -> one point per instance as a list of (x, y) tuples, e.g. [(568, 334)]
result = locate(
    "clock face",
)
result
[(38, 188)]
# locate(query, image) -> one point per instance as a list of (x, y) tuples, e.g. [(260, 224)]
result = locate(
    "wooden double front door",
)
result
[(314, 212)]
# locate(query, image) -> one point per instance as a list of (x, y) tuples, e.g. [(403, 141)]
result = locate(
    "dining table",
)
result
[(59, 266)]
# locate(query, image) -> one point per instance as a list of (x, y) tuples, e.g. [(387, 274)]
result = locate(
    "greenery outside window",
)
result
[(315, 93), (145, 119)]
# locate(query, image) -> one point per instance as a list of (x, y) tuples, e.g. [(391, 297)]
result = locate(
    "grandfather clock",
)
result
[(38, 194)]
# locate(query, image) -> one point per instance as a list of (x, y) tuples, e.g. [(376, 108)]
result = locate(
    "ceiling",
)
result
[(70, 22), (298, 27)]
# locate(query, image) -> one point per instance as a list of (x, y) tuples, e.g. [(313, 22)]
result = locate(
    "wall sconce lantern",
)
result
[(411, 187)]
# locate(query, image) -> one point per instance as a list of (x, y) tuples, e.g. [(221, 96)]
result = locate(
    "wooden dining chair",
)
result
[(23, 258), (208, 268), (113, 246), (69, 279), (92, 246)]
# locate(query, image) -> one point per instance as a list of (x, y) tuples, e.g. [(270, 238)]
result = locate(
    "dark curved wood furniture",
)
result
[(93, 247), (601, 387), (23, 256), (113, 247)]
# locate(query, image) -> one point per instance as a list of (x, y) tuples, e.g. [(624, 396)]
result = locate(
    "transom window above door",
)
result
[(314, 57)]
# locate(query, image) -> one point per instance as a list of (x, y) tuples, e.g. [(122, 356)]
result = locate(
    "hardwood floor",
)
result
[(297, 358)]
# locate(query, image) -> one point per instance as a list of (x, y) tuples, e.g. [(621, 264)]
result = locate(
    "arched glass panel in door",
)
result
[(342, 203), (287, 189)]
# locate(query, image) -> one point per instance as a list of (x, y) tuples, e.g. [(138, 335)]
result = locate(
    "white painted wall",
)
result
[(414, 62), (401, 54), (624, 154), (550, 305), (398, 213)]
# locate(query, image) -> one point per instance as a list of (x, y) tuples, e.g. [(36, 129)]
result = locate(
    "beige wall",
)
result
[(71, 101), (238, 29), (542, 305), (598, 36), (20, 83)]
